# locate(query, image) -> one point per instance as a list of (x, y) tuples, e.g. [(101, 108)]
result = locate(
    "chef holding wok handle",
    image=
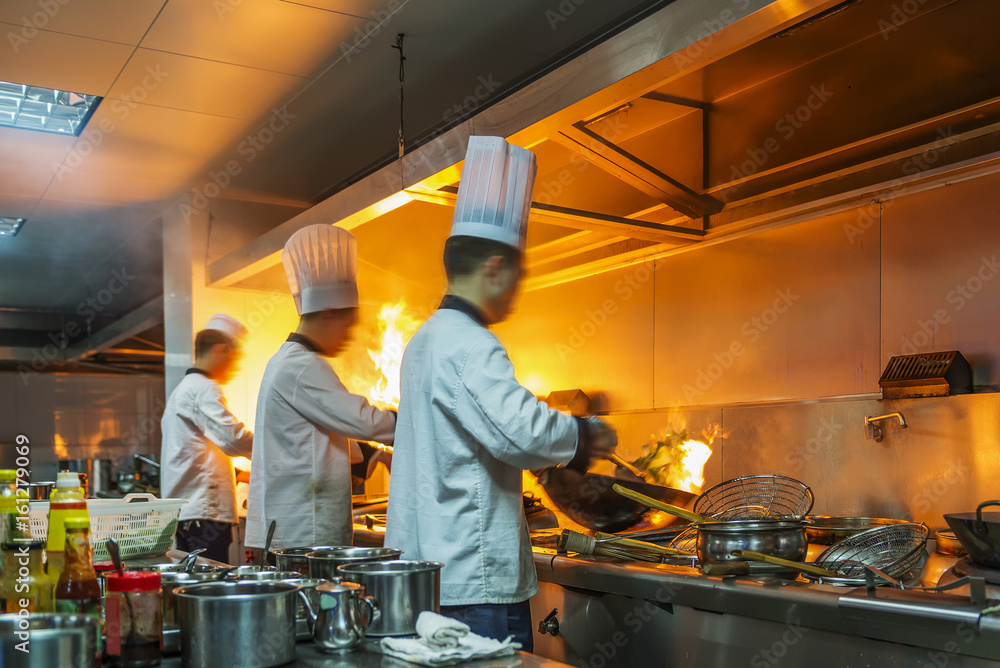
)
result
[(466, 428)]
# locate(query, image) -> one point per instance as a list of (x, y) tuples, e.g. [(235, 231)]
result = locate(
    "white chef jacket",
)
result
[(300, 474), (200, 435), (466, 431)]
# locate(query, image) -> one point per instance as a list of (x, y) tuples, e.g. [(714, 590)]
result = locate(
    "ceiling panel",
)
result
[(206, 86), (270, 35), (17, 206), (27, 159), (63, 62), (109, 20), (96, 188), (367, 9)]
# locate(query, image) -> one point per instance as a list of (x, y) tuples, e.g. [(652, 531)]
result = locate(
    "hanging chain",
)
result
[(402, 81)]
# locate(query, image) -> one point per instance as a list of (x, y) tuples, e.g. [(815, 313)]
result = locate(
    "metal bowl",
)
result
[(777, 538), (294, 558), (828, 530), (56, 640)]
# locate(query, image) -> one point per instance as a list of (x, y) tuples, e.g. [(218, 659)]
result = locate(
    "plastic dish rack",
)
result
[(142, 524)]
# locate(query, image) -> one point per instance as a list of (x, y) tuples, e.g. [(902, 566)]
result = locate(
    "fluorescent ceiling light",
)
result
[(9, 227), (44, 109)]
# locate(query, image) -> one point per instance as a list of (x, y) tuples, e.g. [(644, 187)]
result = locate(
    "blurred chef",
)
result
[(200, 434), (466, 427), (300, 474)]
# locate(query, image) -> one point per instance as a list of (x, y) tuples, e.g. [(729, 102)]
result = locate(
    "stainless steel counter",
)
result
[(636, 614), (368, 656)]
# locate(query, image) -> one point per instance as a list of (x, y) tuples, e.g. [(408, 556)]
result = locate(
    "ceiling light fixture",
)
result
[(45, 109), (9, 227)]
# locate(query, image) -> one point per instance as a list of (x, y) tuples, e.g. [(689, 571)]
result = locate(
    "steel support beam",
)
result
[(148, 315)]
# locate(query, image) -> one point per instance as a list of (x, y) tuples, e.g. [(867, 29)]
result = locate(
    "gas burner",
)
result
[(966, 567)]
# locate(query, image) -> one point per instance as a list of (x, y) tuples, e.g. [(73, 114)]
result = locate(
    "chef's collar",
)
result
[(468, 308), (305, 342), (196, 370)]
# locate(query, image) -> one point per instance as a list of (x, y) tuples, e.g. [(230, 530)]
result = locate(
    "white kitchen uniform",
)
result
[(465, 432), (300, 474), (200, 435)]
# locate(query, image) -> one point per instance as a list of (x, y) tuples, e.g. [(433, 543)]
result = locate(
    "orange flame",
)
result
[(688, 471), (396, 327)]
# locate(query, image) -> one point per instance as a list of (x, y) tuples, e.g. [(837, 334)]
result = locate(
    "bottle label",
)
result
[(113, 625), (58, 514)]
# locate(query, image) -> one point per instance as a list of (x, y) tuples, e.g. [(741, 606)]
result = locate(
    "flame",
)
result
[(396, 327), (242, 463), (61, 451), (688, 470)]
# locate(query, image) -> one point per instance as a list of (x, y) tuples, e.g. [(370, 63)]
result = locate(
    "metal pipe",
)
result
[(873, 431)]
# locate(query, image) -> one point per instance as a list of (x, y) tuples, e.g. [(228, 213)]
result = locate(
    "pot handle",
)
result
[(374, 612), (979, 512), (310, 613)]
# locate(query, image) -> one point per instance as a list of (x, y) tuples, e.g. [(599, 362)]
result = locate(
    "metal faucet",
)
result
[(874, 431)]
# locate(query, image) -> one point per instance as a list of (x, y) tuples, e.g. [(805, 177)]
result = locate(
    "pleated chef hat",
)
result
[(229, 326), (494, 195), (321, 263)]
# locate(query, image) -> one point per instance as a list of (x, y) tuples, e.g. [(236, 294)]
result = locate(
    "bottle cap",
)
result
[(8, 475), (68, 479), (77, 523), (17, 545), (133, 581), (103, 566)]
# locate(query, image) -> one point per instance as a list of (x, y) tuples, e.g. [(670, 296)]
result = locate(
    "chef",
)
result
[(300, 474), (200, 434), (466, 427)]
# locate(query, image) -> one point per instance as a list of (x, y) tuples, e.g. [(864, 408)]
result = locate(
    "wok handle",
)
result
[(659, 505), (778, 561), (979, 513)]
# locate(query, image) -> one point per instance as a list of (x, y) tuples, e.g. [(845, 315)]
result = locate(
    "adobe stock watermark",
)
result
[(927, 499), (751, 332), (958, 297), (772, 656), (31, 24), (249, 150), (802, 453), (88, 309), (94, 134), (552, 187), (704, 35), (562, 12), (901, 13), (785, 127), (869, 214)]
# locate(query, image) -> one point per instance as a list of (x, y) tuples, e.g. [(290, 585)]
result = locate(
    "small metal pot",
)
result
[(40, 491), (247, 624), (777, 538), (324, 563), (294, 558), (171, 580), (55, 640), (403, 590)]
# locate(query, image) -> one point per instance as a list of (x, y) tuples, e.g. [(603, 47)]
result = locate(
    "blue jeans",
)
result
[(496, 620), (215, 537)]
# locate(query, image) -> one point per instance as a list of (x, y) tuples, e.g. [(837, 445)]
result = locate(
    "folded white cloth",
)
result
[(440, 631), (469, 646)]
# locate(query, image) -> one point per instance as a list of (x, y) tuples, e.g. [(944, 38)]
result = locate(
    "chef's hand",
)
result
[(603, 438)]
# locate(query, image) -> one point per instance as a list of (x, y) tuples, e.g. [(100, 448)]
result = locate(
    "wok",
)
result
[(979, 534), (587, 498)]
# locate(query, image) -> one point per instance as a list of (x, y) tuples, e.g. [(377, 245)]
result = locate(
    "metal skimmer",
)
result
[(756, 496), (894, 549)]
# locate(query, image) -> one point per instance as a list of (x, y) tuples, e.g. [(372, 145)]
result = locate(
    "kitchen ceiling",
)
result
[(267, 106)]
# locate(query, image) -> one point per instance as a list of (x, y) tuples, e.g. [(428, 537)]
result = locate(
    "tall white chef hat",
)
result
[(494, 195), (229, 326), (321, 263)]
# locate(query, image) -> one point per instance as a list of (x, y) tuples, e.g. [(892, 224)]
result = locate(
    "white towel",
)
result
[(469, 646), (440, 631)]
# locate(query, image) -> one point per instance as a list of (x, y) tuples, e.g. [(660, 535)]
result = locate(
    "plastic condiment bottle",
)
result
[(67, 502), (132, 609), (8, 508), (24, 585), (77, 591)]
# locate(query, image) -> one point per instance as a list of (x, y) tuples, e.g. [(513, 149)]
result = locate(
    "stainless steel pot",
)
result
[(269, 576), (777, 538), (324, 563), (403, 590), (40, 491), (294, 558), (171, 580), (247, 624), (55, 640)]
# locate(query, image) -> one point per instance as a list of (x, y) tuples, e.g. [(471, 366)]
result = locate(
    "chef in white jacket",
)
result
[(300, 474), (200, 434), (466, 427)]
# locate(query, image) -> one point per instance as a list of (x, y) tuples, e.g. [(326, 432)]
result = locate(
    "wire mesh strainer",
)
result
[(895, 549), (755, 496)]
